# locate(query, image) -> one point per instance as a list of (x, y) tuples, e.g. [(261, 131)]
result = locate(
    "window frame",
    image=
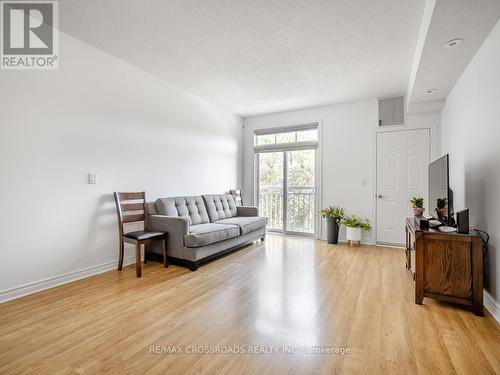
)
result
[(296, 129), (316, 125)]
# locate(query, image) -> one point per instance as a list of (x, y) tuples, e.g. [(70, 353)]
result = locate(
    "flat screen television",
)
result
[(440, 194)]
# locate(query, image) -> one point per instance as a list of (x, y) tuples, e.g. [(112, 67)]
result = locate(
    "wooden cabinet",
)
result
[(410, 251), (445, 266)]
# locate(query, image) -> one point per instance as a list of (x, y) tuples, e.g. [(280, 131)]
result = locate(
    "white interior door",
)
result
[(402, 162)]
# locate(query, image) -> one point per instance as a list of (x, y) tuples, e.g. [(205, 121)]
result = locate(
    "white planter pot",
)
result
[(353, 234)]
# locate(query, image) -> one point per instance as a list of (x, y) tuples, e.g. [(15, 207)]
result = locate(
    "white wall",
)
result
[(471, 135), (432, 121), (346, 153), (96, 114)]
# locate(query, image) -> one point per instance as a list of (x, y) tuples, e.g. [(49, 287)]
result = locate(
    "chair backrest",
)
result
[(130, 207), (237, 196)]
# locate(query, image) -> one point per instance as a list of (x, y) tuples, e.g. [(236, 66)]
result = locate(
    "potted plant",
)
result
[(354, 224), (442, 208), (418, 206), (333, 215)]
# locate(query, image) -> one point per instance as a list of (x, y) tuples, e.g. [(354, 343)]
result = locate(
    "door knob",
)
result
[(380, 196)]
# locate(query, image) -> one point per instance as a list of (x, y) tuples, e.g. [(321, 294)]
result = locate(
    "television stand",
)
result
[(445, 266)]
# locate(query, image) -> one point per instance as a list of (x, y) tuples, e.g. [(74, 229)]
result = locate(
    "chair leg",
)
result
[(120, 256), (165, 253), (138, 259)]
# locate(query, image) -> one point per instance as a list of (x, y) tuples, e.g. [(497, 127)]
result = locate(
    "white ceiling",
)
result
[(259, 56), (436, 67)]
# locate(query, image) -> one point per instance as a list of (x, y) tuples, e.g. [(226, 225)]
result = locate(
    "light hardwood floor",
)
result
[(287, 291)]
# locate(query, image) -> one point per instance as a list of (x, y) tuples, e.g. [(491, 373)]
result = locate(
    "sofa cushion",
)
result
[(192, 207), (205, 234), (220, 206), (247, 224)]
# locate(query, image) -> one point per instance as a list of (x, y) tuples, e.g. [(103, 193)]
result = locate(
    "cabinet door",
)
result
[(412, 261), (447, 267), (410, 251)]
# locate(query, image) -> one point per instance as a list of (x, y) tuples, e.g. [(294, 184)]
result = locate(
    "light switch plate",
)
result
[(92, 178)]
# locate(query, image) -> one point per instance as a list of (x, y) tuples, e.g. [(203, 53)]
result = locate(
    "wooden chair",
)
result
[(131, 208), (238, 199)]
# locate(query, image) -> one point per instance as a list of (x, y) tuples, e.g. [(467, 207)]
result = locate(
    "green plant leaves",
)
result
[(417, 202), (354, 221), (332, 211)]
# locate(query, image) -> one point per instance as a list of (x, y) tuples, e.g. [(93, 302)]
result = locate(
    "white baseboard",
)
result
[(392, 246), (491, 305), (38, 286)]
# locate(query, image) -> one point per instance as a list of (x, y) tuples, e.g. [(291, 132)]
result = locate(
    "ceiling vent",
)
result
[(391, 111)]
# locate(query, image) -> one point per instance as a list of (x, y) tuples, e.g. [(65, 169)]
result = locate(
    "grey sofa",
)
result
[(203, 227)]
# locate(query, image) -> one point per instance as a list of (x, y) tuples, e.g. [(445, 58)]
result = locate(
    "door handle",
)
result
[(380, 196)]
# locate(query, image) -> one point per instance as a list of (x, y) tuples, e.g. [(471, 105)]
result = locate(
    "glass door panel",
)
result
[(271, 188), (300, 191)]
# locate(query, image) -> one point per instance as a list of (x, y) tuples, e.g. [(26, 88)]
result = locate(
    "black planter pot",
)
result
[(332, 230)]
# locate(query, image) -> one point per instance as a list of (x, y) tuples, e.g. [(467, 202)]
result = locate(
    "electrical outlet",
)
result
[(92, 178)]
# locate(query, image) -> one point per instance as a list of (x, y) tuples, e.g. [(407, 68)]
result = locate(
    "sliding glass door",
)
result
[(300, 191), (285, 181), (270, 189), (287, 190)]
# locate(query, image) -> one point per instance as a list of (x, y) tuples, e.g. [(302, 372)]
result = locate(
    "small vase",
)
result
[(332, 230), (442, 212), (418, 211), (353, 234)]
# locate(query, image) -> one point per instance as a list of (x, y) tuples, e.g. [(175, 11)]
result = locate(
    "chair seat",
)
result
[(141, 235)]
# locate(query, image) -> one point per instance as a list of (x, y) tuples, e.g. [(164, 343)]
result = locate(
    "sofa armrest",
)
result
[(247, 211), (176, 227), (170, 224)]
